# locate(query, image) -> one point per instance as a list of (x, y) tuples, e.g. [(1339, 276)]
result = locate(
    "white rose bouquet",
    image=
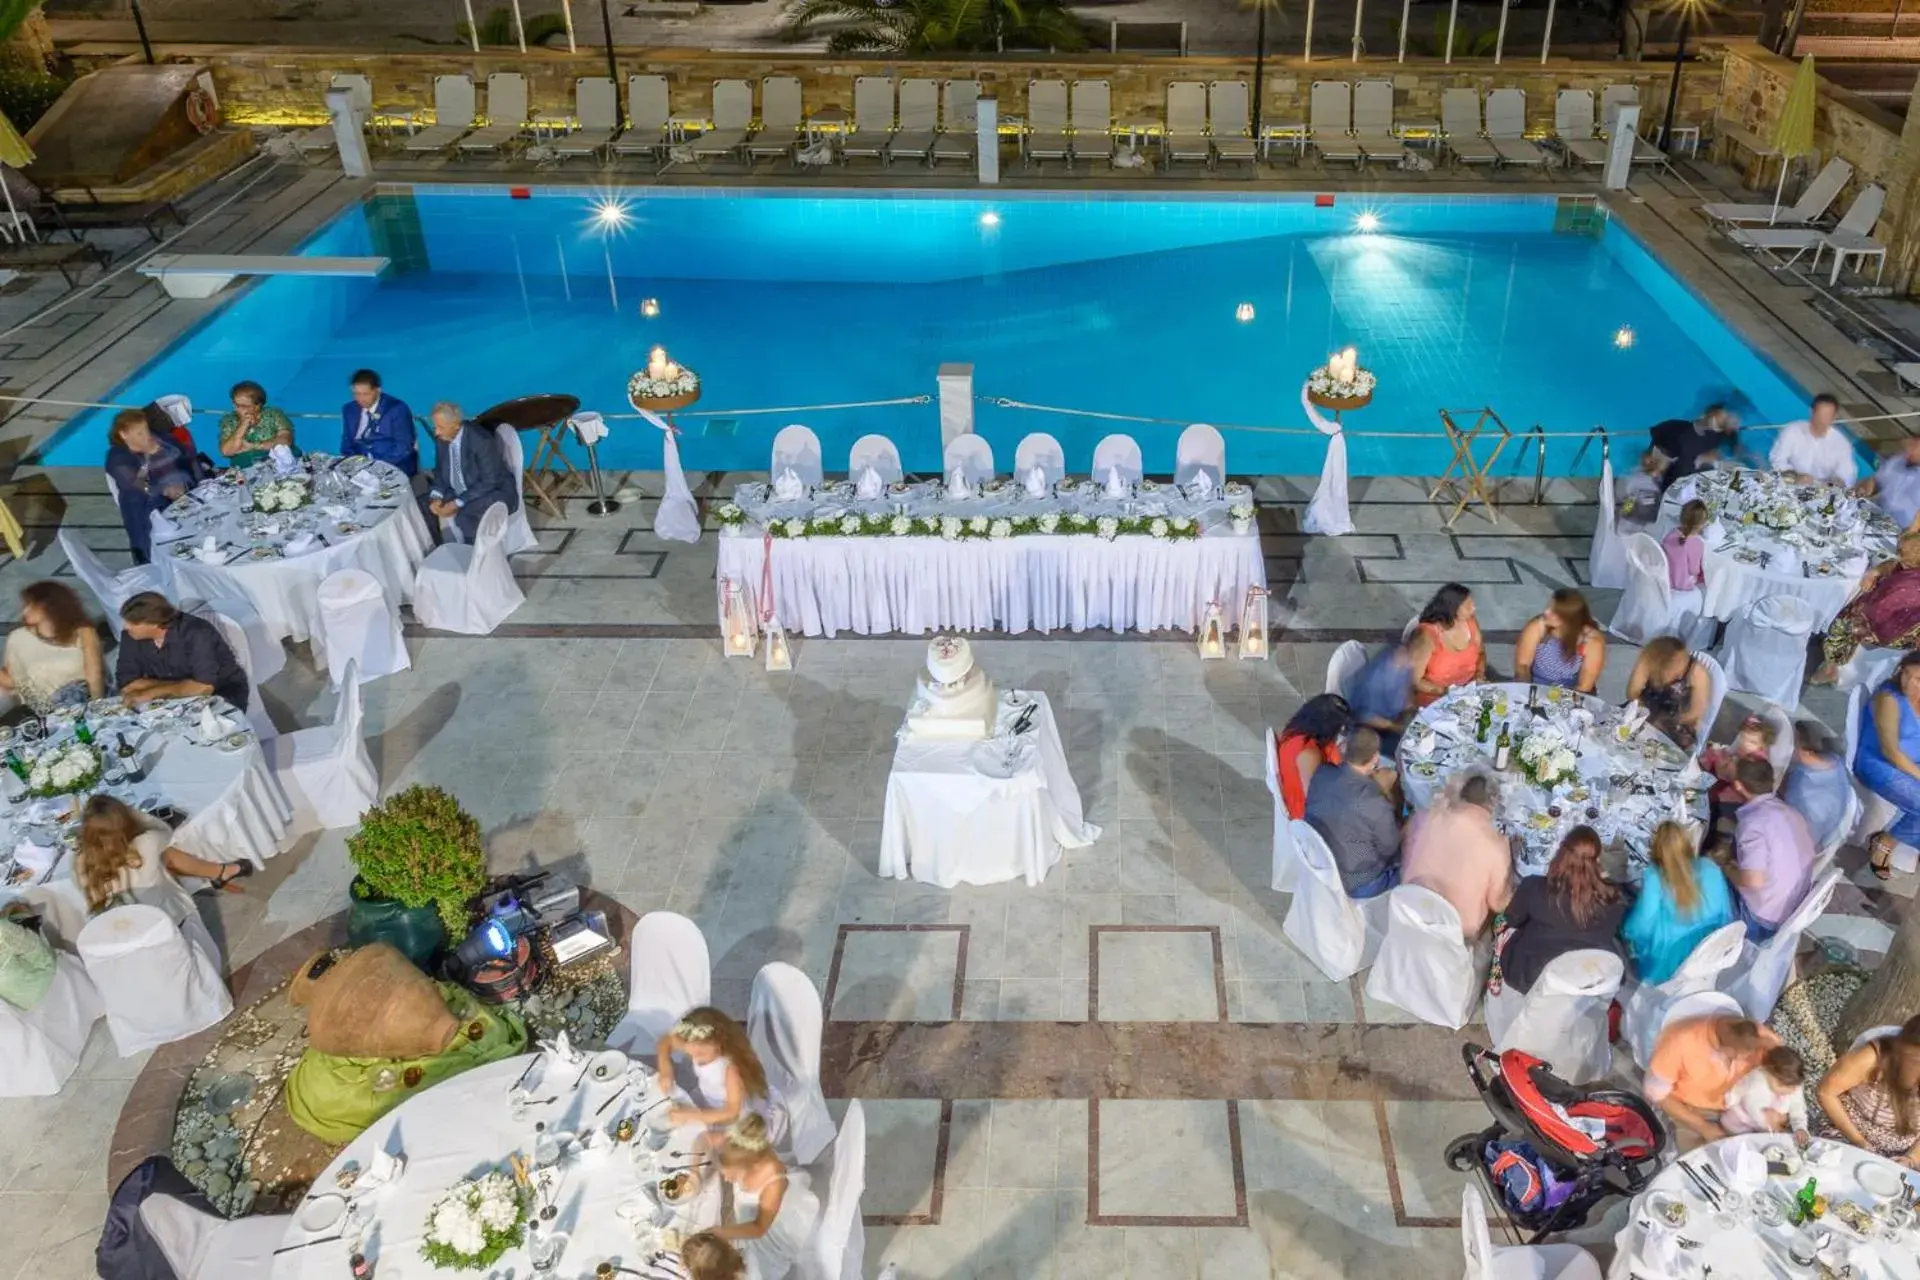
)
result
[(642, 386), (282, 495), (475, 1223), (1546, 759), (64, 771), (732, 519)]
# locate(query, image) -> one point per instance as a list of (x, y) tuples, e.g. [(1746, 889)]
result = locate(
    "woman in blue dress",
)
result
[(1888, 758), (1683, 898), (1562, 646)]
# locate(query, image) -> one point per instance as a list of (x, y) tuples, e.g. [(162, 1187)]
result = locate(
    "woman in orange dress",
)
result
[(1446, 646), (1312, 738)]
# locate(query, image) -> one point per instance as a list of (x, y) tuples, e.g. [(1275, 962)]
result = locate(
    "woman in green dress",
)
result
[(248, 434)]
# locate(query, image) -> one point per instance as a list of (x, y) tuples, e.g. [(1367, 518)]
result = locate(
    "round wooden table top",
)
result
[(530, 413)]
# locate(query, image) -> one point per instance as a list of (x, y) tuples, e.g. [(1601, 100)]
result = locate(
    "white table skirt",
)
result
[(1731, 586), (946, 823), (284, 591), (463, 1127), (1038, 582)]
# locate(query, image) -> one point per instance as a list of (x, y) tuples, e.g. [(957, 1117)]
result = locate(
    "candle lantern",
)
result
[(1213, 643), (779, 651), (741, 635), (1253, 625)]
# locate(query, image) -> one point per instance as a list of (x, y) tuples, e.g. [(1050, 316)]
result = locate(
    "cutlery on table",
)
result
[(289, 1248)]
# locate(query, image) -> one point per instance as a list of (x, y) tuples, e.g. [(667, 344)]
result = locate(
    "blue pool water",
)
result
[(1106, 303)]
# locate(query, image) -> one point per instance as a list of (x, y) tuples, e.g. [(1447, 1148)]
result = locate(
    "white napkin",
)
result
[(589, 426), (209, 550), (787, 487), (871, 485), (1116, 483), (1202, 484), (957, 486), (383, 1169), (284, 463), (213, 725), (336, 512), (1037, 483), (1424, 744), (561, 1050), (41, 811), (1745, 1167), (163, 527), (365, 481), (35, 858), (1662, 1253), (301, 543), (269, 528)]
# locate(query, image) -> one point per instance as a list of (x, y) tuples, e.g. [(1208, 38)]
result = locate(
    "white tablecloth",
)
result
[(1745, 1250), (464, 1127), (948, 823), (390, 545)]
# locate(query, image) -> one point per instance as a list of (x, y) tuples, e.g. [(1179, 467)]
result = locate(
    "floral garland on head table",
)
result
[(962, 529)]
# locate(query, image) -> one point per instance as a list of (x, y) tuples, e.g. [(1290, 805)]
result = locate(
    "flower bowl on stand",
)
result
[(1341, 384), (662, 386)]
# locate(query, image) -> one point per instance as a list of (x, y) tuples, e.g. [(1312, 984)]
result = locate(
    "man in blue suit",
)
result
[(378, 425)]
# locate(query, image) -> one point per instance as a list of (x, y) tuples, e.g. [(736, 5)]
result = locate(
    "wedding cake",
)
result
[(955, 699)]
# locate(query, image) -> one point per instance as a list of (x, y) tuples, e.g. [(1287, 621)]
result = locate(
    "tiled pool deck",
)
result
[(1125, 1071)]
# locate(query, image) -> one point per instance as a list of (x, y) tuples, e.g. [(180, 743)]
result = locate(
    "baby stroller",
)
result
[(1540, 1159)]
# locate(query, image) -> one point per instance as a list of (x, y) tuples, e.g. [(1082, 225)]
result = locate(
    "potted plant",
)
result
[(418, 860)]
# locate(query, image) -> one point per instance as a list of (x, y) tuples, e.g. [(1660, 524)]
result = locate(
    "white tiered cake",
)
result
[(955, 701)]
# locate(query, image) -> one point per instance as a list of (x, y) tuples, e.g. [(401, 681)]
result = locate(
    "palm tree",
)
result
[(935, 26)]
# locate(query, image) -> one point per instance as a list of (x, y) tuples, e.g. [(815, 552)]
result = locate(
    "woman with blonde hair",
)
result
[(53, 657), (775, 1211), (727, 1073), (1683, 898), (1871, 1097), (123, 856)]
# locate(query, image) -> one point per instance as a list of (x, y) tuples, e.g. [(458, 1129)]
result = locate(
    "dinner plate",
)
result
[(234, 741), (321, 1212), (1879, 1180), (608, 1064)]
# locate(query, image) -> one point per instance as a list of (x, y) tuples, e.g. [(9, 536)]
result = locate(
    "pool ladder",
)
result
[(1536, 439)]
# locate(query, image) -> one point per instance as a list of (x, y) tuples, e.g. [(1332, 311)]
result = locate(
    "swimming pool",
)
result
[(1202, 309)]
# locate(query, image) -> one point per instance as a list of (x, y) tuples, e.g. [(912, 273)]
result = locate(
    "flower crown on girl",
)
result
[(693, 1032)]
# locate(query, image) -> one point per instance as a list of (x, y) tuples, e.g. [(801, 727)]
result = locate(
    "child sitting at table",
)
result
[(727, 1076), (1640, 491), (1754, 741), (1686, 548), (1770, 1098), (704, 1256)]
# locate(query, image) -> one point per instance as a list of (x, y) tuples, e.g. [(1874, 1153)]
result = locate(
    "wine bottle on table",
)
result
[(1503, 749)]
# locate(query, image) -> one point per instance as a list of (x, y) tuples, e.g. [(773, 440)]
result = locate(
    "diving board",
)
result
[(201, 275)]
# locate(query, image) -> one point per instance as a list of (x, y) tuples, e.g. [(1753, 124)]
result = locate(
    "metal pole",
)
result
[(1306, 54), (140, 25), (1406, 15), (613, 68), (1673, 90), (473, 29), (1500, 38), (1453, 16), (1259, 66), (519, 27), (1546, 39), (566, 12), (1358, 5)]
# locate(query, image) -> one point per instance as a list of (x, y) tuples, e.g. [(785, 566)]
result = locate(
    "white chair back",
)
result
[(473, 595), (1047, 106), (183, 1233), (40, 1047), (519, 533), (732, 105), (1701, 1004), (236, 637), (877, 452), (1612, 98), (1765, 649), (1475, 1239), (1857, 719), (1645, 1009), (1373, 107), (1039, 449), (1506, 114), (200, 1246), (1460, 112), (1606, 557), (1864, 212), (1200, 448), (1092, 114), (780, 105), (1820, 193), (507, 98), (873, 104), (453, 100), (1121, 451), (839, 1245), (326, 770), (596, 104), (1286, 854), (919, 105), (1344, 665), (1646, 606), (1563, 1020), (784, 1021), (1187, 108), (647, 109), (972, 454), (797, 448), (92, 570), (156, 987), (671, 973), (1764, 970), (1330, 107), (960, 106), (1425, 966), (1716, 694), (1332, 929), (1227, 109), (357, 625), (1573, 115)]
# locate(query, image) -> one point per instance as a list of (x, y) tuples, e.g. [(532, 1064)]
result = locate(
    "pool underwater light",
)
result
[(610, 214), (1367, 223), (1244, 313), (1623, 337), (989, 219)]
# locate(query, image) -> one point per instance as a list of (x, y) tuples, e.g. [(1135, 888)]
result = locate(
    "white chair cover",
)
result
[(1200, 448), (109, 588), (796, 447), (1644, 1010), (1038, 449), (1765, 649), (1515, 1262), (1868, 668), (358, 627), (1563, 1020), (1286, 854), (1764, 970), (1874, 1033), (1328, 514), (245, 632), (1780, 754), (179, 410), (519, 532), (39, 1048), (1344, 665), (200, 1246), (1716, 694), (670, 975), (838, 1250), (677, 518), (1339, 935), (469, 589), (155, 985), (1424, 966), (877, 452), (1120, 451), (1649, 606), (972, 454), (326, 771), (236, 638), (1606, 557), (784, 1021)]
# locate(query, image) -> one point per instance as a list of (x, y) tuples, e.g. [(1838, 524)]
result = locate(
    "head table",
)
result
[(468, 1126), (1674, 1232), (1773, 537), (1623, 786), (235, 807), (915, 559)]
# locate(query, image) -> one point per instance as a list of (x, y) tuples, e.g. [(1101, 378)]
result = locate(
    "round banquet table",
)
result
[(464, 1127), (1624, 790), (380, 532), (235, 807), (1740, 1247), (1818, 558)]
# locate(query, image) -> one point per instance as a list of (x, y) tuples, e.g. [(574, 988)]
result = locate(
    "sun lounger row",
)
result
[(1851, 237)]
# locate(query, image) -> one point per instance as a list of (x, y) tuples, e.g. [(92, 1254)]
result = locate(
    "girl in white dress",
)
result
[(775, 1211), (728, 1079)]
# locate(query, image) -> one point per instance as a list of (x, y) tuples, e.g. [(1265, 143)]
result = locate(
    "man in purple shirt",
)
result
[(1773, 849)]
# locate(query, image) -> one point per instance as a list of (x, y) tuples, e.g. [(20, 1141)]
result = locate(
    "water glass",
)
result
[(544, 1248)]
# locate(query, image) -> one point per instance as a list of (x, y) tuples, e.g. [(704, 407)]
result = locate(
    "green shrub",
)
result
[(421, 848), (26, 93), (497, 27)]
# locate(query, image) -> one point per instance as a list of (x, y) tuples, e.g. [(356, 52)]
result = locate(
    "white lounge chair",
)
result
[(919, 121), (1227, 113), (1046, 137), (506, 113), (1850, 242), (647, 114), (1330, 121), (1808, 209), (1460, 121), (596, 104), (1373, 122), (1186, 136), (1612, 98), (1507, 129), (958, 138), (732, 116), (872, 118), (1573, 126), (453, 116), (1092, 120), (320, 138), (1792, 242), (781, 116)]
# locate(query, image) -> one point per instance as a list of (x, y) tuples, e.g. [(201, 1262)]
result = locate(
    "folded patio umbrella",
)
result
[(1793, 131), (15, 154)]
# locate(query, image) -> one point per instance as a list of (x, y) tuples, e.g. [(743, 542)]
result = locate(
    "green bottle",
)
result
[(1803, 1204), (82, 731), (1486, 721), (19, 766)]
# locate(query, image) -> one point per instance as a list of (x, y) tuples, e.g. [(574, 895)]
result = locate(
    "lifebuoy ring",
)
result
[(200, 111)]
